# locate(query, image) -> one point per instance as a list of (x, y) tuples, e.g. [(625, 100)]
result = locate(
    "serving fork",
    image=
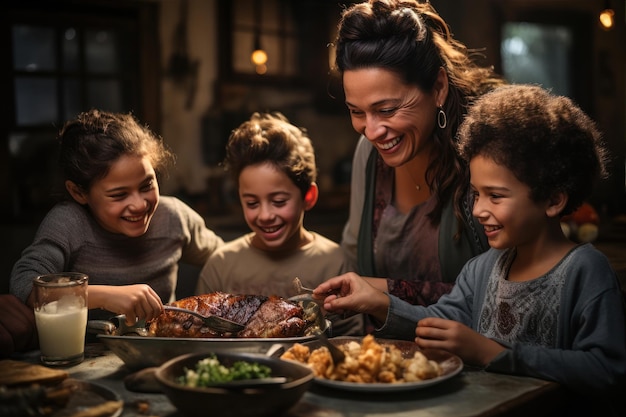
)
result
[(217, 323), (337, 354), (301, 288)]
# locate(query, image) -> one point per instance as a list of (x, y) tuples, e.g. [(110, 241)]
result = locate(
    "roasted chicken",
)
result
[(263, 317)]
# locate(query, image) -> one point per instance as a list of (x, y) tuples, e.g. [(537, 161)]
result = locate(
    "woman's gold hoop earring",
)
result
[(442, 119)]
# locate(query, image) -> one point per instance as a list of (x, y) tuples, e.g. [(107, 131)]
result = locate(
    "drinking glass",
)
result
[(61, 317)]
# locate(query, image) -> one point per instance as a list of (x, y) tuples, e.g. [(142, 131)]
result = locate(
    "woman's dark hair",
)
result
[(411, 40), (92, 142)]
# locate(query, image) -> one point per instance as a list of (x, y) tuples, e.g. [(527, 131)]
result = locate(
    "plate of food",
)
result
[(376, 365)]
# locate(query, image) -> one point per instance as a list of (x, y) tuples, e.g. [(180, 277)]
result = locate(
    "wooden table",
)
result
[(473, 392)]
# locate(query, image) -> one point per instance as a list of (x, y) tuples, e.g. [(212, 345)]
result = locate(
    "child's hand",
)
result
[(457, 338), (136, 302), (350, 292)]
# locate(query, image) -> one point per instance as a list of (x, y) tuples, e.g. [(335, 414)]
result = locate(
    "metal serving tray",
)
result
[(139, 350)]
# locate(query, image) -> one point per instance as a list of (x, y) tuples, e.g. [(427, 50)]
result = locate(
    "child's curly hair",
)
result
[(546, 140), (270, 138)]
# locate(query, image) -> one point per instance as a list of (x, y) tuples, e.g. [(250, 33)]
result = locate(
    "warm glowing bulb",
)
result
[(258, 57), (606, 18)]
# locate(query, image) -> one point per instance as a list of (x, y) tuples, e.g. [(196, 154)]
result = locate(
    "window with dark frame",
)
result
[(62, 59), (538, 54), (61, 70), (548, 47)]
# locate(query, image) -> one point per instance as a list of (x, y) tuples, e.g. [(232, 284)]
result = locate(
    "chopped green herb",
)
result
[(209, 371)]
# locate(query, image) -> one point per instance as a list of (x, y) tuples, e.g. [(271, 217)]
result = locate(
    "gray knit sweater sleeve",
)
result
[(199, 241), (60, 233), (69, 239)]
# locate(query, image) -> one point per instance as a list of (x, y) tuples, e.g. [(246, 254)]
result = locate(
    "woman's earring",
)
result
[(442, 119)]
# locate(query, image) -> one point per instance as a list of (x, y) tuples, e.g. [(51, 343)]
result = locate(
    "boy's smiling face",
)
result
[(503, 205), (273, 208)]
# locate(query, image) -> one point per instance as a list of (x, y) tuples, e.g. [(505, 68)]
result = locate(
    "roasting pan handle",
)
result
[(116, 326), (101, 327)]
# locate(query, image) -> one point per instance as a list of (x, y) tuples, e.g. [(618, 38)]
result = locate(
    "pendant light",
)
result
[(607, 16), (258, 56)]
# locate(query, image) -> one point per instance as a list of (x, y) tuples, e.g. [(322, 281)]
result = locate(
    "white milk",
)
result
[(61, 331)]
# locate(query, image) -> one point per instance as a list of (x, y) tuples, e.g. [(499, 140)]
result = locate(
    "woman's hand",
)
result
[(351, 292), (136, 302), (457, 338)]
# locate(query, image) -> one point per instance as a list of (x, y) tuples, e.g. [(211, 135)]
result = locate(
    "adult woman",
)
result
[(407, 84)]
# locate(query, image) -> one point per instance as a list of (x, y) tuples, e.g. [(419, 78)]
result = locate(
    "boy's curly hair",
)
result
[(271, 138), (546, 140)]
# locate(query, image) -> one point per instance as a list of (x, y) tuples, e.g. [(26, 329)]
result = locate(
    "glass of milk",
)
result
[(61, 317)]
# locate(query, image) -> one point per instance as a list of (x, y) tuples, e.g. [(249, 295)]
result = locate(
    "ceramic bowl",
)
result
[(251, 401)]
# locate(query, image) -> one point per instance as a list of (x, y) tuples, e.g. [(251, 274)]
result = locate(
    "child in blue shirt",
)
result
[(536, 303)]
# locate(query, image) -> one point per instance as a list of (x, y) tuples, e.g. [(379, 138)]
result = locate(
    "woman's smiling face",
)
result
[(125, 200), (397, 118)]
